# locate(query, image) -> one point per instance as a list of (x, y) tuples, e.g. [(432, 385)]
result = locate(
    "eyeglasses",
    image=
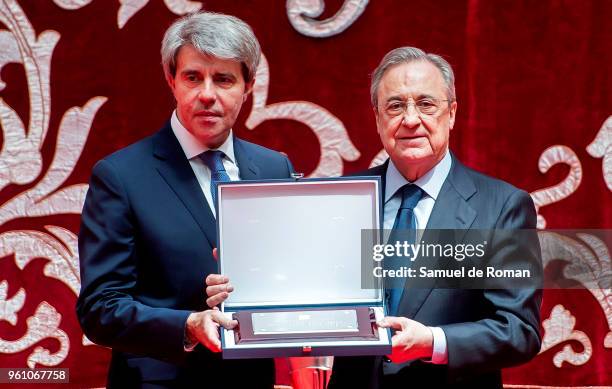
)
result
[(426, 106)]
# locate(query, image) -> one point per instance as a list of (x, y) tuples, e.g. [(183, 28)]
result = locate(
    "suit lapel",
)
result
[(451, 211), (176, 171), (246, 166)]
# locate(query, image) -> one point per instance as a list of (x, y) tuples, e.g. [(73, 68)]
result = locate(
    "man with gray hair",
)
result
[(148, 225), (443, 338)]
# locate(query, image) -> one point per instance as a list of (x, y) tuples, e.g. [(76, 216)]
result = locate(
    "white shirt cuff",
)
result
[(440, 350), (189, 347)]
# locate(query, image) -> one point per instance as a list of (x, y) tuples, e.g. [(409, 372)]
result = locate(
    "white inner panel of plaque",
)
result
[(296, 243)]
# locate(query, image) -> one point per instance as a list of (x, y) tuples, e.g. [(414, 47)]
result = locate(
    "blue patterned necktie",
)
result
[(214, 160), (404, 229)]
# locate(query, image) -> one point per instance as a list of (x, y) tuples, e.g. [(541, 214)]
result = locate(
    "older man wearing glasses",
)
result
[(443, 338)]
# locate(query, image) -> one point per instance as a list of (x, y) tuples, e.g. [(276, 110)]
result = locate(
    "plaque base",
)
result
[(306, 331), (305, 325)]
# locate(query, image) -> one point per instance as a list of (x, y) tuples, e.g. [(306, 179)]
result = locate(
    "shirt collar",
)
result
[(431, 182), (192, 147)]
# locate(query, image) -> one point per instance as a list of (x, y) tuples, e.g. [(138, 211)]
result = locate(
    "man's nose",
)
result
[(411, 116), (207, 93)]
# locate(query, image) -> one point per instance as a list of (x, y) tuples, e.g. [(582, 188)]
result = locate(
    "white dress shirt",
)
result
[(192, 148), (431, 184)]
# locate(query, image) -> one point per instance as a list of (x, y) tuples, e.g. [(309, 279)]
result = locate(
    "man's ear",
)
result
[(376, 117), (170, 81), (452, 112), (248, 88)]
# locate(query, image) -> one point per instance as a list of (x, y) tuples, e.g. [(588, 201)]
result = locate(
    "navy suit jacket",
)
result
[(485, 330), (145, 248)]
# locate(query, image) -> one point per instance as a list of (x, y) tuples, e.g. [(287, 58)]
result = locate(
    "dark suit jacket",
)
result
[(145, 247), (485, 330)]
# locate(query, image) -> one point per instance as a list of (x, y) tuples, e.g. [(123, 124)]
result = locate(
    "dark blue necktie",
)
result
[(404, 229), (214, 160)]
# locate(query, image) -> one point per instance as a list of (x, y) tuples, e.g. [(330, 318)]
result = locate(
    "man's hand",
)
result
[(204, 328), (218, 287), (412, 340)]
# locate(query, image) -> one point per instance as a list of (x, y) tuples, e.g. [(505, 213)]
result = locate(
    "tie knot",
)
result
[(411, 194), (213, 159)]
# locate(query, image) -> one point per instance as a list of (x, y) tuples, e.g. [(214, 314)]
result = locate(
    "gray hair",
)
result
[(407, 55), (213, 34)]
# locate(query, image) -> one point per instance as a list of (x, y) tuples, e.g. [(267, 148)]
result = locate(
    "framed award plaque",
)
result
[(292, 249)]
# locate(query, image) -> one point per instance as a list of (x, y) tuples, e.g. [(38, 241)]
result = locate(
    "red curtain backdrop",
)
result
[(533, 87)]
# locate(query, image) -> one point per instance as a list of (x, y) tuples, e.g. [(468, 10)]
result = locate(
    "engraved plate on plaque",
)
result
[(304, 322), (305, 325)]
